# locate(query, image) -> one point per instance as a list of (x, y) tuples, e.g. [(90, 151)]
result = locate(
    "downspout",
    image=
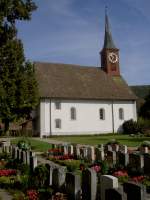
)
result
[(50, 119), (113, 122)]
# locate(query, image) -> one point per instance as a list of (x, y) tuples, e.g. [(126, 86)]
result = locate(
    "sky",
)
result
[(72, 31)]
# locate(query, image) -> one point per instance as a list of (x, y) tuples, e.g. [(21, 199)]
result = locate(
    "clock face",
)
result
[(113, 58)]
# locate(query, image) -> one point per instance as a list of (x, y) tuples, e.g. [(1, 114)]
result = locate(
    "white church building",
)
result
[(81, 99)]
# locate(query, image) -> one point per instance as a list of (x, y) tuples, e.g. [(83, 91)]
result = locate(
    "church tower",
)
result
[(109, 53)]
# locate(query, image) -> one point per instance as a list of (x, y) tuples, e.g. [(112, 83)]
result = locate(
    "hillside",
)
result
[(141, 91)]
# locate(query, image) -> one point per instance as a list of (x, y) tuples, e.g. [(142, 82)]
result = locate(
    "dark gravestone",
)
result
[(73, 186), (89, 184), (133, 191), (136, 160), (123, 159), (146, 163), (113, 194)]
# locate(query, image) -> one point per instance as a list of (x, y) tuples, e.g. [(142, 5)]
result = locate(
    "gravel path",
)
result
[(5, 195)]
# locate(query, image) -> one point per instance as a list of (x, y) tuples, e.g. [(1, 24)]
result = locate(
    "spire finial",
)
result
[(108, 41)]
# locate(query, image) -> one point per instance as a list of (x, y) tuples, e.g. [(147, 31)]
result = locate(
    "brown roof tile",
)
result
[(79, 82)]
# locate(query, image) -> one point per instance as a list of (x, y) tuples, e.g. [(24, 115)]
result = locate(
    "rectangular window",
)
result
[(57, 105), (58, 123)]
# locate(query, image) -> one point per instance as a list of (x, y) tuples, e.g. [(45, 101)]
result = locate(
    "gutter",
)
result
[(113, 121)]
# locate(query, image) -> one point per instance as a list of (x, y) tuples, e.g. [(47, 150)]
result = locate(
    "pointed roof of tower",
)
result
[(108, 41)]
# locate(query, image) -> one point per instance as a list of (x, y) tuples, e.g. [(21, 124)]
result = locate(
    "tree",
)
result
[(18, 87), (145, 108)]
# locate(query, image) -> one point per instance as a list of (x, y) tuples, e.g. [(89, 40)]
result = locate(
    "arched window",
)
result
[(102, 114), (73, 113), (57, 123), (121, 113)]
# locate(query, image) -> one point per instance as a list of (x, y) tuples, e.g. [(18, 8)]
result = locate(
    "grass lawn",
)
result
[(102, 139), (35, 144), (43, 146)]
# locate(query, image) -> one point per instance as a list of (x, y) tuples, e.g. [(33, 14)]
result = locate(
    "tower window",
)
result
[(57, 105), (57, 123), (102, 114), (73, 113), (121, 113)]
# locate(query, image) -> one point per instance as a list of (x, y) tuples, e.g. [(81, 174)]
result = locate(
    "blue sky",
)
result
[(72, 31)]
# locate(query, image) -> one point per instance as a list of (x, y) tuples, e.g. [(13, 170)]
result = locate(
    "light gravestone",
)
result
[(70, 149), (111, 157), (16, 150), (89, 184), (91, 153), (73, 186), (107, 182), (24, 157), (50, 172), (123, 149), (28, 157), (58, 177)]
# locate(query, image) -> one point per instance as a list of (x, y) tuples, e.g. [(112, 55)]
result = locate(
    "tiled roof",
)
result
[(69, 81)]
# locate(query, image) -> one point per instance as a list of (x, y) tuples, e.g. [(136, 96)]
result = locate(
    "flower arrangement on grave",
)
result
[(122, 176), (138, 179), (57, 154), (32, 195), (96, 168), (8, 172)]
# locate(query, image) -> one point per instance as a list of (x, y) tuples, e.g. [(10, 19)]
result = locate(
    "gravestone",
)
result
[(89, 184), (58, 177), (107, 182), (133, 191), (123, 149), (91, 153), (144, 150), (136, 159), (76, 151), (73, 186), (50, 169), (21, 155), (115, 147), (33, 162), (70, 149), (113, 194), (146, 163), (85, 152), (111, 157), (123, 159), (13, 152), (28, 157), (24, 157), (99, 154), (16, 150)]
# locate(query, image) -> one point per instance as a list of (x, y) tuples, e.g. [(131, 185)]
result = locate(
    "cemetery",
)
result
[(71, 171)]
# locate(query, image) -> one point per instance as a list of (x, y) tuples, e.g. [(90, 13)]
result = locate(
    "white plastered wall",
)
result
[(87, 116)]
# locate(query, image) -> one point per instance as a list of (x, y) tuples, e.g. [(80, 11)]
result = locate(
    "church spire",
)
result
[(108, 41)]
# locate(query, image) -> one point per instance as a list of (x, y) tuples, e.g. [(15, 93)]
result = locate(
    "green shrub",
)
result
[(23, 144), (132, 127)]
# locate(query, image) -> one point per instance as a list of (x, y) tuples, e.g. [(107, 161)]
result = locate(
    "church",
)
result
[(78, 99)]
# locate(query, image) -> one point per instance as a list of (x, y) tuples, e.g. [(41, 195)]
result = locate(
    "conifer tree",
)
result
[(18, 87)]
